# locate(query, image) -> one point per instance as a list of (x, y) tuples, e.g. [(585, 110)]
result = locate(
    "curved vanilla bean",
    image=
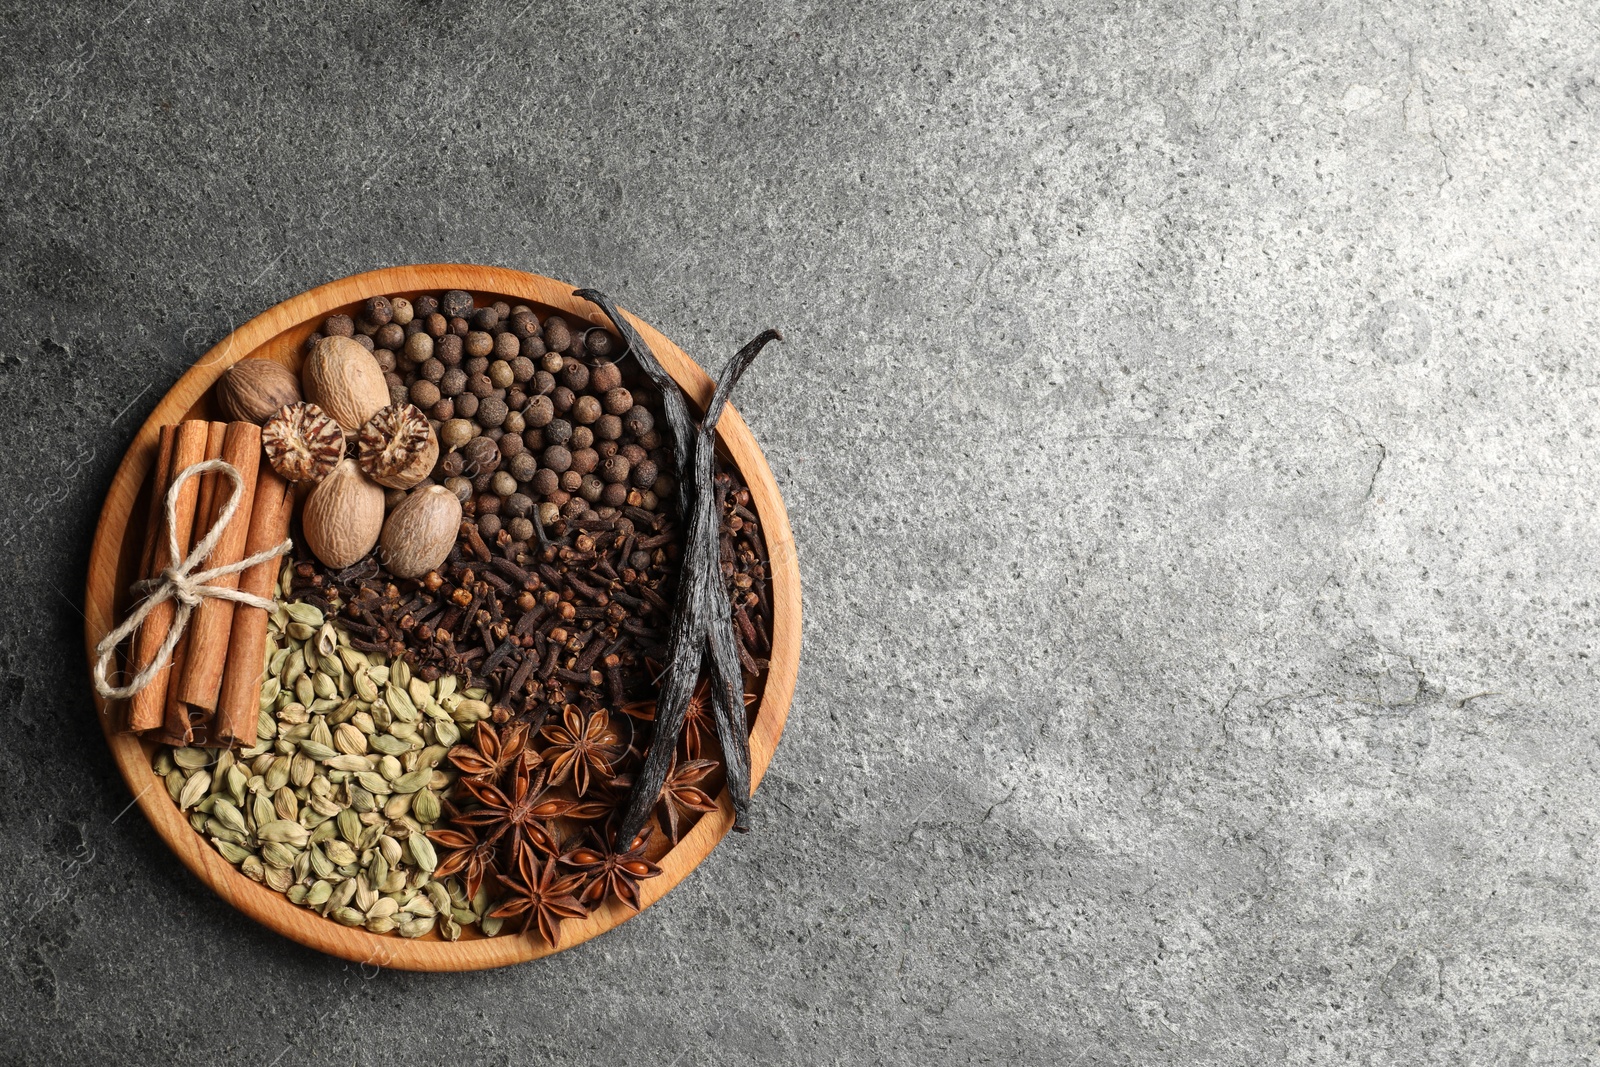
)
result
[(702, 628), (673, 403)]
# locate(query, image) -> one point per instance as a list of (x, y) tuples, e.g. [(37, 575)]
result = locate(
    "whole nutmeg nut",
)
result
[(343, 516), (345, 380), (420, 532), (253, 390), (397, 448), (303, 443)]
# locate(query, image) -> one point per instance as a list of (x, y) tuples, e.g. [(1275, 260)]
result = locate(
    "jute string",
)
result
[(182, 583)]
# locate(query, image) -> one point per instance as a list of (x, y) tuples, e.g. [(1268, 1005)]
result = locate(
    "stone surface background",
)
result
[(1188, 422)]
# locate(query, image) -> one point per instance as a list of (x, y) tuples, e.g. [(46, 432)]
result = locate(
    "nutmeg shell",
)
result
[(420, 532), (346, 381), (253, 390), (343, 516)]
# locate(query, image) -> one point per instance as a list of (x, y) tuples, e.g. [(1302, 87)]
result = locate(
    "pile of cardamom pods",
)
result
[(331, 804)]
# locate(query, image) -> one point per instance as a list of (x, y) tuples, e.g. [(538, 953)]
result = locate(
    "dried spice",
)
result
[(702, 625)]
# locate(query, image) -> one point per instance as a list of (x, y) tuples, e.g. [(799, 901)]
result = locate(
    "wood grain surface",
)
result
[(278, 334)]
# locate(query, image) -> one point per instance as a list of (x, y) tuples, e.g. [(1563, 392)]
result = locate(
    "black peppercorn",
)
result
[(557, 458), (456, 302), (339, 326)]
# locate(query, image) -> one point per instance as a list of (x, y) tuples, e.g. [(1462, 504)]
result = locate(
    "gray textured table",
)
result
[(1189, 425)]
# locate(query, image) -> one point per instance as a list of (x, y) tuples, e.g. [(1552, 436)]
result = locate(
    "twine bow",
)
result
[(180, 582)]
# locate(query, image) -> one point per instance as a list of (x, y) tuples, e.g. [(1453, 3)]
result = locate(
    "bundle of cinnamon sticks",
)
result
[(210, 690)]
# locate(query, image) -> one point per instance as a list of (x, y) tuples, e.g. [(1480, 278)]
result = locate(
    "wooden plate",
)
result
[(278, 334)]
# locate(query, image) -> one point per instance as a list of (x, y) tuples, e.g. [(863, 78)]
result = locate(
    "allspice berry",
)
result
[(425, 305), (502, 484), (585, 460), (643, 473), (557, 458), (378, 311), (419, 348), (614, 495), (574, 375), (339, 326), (389, 336), (546, 481), (557, 335), (586, 409), (615, 469), (523, 325), (523, 465), (455, 303), (618, 401), (424, 393), (539, 411), (401, 310), (599, 342), (605, 376), (456, 433), (506, 345), (492, 411), (479, 343), (435, 325), (558, 432), (501, 375), (638, 421)]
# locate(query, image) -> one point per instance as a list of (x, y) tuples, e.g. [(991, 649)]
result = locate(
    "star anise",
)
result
[(468, 855), (682, 796), (491, 755), (541, 897), (578, 749), (518, 818), (610, 872), (698, 724)]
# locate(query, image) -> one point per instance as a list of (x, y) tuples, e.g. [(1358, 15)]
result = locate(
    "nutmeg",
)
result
[(343, 516), (397, 446), (420, 532), (345, 380), (252, 390)]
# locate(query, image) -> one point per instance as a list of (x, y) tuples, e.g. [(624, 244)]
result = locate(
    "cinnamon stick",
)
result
[(160, 482), (239, 704), (211, 622), (179, 729), (147, 709)]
